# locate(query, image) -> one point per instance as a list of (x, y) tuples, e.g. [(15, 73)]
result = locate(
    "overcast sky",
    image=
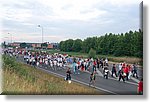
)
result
[(64, 19)]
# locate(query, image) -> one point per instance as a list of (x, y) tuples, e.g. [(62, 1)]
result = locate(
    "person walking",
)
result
[(82, 66), (106, 62), (94, 65), (68, 74), (105, 72), (140, 87), (121, 76), (101, 63), (114, 71), (98, 63), (130, 72), (134, 71), (126, 71), (120, 66), (92, 79), (74, 67)]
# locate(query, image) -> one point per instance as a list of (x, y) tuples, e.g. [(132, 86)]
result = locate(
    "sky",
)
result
[(66, 19)]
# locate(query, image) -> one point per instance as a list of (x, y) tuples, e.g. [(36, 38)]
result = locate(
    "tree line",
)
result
[(124, 44)]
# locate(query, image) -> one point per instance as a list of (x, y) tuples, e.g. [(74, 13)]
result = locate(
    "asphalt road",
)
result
[(110, 85)]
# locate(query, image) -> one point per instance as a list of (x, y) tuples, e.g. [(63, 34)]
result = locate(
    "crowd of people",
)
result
[(125, 71), (59, 61)]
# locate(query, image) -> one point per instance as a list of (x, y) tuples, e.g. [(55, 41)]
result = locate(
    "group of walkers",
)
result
[(125, 71), (54, 61), (60, 61)]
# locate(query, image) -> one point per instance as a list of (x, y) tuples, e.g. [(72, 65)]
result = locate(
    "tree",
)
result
[(69, 44), (23, 45), (88, 43), (3, 44), (77, 45), (127, 44), (62, 45), (44, 45), (92, 53)]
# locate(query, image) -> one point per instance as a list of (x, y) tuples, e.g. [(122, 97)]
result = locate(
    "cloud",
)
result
[(68, 18), (73, 10)]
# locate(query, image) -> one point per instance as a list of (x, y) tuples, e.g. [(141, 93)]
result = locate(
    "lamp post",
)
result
[(6, 39), (10, 37), (42, 31)]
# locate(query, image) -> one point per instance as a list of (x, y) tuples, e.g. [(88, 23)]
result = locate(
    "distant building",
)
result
[(55, 45), (50, 46), (15, 44), (35, 45)]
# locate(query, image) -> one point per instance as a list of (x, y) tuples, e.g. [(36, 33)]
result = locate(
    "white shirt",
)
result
[(120, 66)]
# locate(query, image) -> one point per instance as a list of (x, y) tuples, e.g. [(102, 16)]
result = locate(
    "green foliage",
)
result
[(44, 45), (3, 44), (77, 44), (23, 45), (9, 63), (128, 44), (66, 45), (92, 53)]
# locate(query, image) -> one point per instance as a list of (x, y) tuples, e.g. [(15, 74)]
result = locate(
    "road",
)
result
[(110, 85)]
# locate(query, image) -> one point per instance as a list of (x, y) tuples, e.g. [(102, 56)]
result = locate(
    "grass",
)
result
[(36, 81)]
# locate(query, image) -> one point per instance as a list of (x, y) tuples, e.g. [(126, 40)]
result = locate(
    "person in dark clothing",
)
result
[(98, 63), (134, 71), (94, 65), (126, 70), (92, 79), (114, 70), (121, 76), (101, 63), (82, 67), (68, 74)]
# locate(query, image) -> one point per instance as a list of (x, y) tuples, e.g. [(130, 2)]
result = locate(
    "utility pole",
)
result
[(41, 31)]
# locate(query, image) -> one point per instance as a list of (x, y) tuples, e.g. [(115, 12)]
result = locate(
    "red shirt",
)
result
[(130, 68), (140, 86), (126, 70), (78, 63), (94, 62)]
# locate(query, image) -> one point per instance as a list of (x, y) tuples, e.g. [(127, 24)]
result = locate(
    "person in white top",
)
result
[(120, 66), (37, 63), (46, 62), (51, 63), (55, 64), (106, 62)]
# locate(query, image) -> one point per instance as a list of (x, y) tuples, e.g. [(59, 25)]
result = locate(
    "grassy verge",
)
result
[(23, 79)]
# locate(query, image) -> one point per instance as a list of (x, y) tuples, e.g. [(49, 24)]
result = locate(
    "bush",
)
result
[(92, 53)]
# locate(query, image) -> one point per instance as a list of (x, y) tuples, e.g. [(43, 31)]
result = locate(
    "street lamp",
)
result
[(42, 31), (10, 36)]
